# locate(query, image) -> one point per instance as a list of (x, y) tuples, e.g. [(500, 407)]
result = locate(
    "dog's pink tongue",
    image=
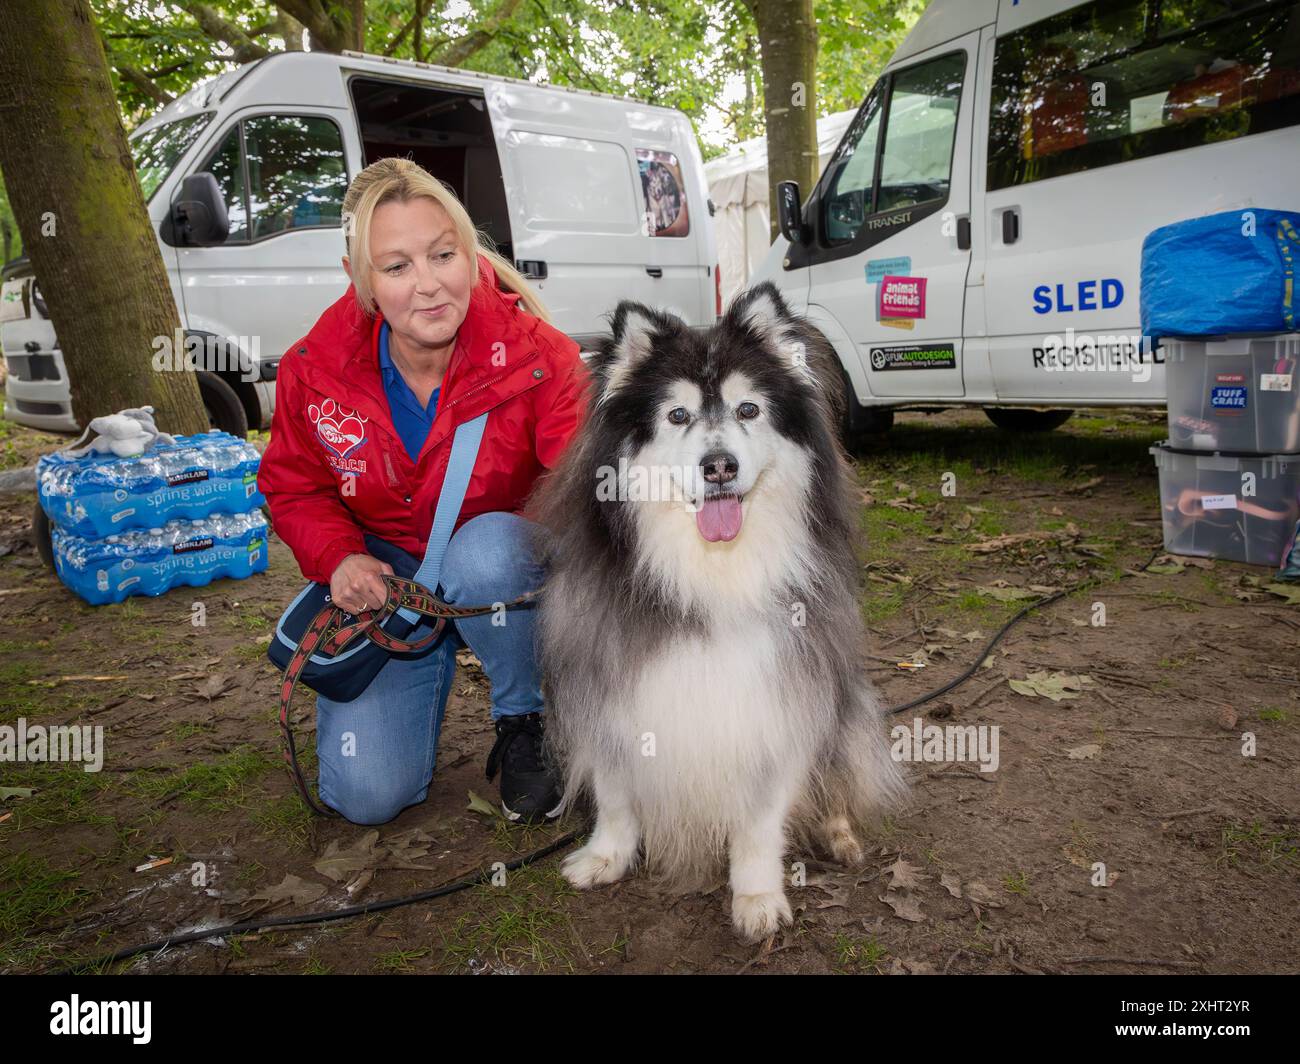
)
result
[(719, 518)]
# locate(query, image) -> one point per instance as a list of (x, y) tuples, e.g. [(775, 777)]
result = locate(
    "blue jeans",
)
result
[(377, 752)]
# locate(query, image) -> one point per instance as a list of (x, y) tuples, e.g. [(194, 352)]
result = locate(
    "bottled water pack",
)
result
[(101, 494), (151, 561)]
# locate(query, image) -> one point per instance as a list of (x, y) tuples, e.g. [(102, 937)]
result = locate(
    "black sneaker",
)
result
[(529, 789)]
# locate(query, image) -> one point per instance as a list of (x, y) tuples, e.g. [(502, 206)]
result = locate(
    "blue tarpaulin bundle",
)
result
[(1221, 275)]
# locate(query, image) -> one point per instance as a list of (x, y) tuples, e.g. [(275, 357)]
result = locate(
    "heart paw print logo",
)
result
[(340, 428)]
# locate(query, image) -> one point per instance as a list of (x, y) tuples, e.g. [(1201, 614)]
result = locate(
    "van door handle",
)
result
[(533, 269), (655, 271), (1011, 225), (963, 233)]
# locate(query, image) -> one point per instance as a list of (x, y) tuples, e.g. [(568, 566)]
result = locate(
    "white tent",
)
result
[(738, 188)]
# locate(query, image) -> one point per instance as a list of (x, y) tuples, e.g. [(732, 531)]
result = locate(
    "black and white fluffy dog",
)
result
[(699, 631)]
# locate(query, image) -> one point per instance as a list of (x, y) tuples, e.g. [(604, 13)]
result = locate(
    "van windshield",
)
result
[(160, 149)]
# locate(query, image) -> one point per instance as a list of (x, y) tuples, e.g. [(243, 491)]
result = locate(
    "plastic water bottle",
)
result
[(96, 495), (151, 561)]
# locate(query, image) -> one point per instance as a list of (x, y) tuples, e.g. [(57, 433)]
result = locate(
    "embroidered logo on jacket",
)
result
[(342, 430)]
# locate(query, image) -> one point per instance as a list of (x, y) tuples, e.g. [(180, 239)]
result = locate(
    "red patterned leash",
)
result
[(328, 633)]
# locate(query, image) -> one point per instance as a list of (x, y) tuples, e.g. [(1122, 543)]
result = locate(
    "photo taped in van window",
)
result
[(664, 192)]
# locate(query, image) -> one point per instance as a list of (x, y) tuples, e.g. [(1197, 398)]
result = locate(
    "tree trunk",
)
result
[(290, 30), (787, 38), (83, 222)]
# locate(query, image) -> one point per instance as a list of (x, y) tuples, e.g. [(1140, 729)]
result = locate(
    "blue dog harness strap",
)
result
[(460, 466)]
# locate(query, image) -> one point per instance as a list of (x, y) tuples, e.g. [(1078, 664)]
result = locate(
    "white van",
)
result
[(594, 197), (976, 238)]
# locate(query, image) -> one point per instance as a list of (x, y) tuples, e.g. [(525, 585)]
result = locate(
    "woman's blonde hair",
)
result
[(401, 180)]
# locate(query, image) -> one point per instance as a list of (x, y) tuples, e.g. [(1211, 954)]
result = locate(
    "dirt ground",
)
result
[(1136, 778)]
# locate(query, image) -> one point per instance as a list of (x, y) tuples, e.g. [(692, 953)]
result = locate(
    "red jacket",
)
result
[(332, 423)]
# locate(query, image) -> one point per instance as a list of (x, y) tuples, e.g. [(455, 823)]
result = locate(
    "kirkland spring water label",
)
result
[(101, 494), (154, 560)]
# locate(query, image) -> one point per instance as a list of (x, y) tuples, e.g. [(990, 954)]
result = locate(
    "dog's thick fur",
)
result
[(709, 695)]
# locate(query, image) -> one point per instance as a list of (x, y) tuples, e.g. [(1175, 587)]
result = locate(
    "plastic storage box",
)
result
[(1239, 394), (1242, 508)]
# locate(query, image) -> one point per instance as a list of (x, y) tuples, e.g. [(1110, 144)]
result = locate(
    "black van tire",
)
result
[(861, 421), (41, 534), (1019, 419), (225, 411)]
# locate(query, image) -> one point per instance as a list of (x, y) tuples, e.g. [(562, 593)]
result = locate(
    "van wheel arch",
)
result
[(225, 361), (222, 402), (1023, 419), (858, 421)]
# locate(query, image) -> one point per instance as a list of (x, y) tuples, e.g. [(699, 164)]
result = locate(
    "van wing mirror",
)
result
[(198, 214), (790, 212)]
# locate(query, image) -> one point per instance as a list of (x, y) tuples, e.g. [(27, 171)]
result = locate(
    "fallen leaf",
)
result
[(14, 792), (905, 876), (905, 907), (341, 864), (1083, 753), (1290, 592), (951, 884), (1056, 686), (981, 894), (290, 889), (1005, 594), (1011, 539), (213, 686), (479, 805)]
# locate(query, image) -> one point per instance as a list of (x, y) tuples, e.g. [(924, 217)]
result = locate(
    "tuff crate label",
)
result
[(1228, 398)]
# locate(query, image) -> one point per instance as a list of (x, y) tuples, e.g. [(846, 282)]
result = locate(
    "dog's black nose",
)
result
[(719, 467)]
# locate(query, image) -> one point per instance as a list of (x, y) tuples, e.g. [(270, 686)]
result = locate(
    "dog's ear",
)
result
[(633, 327), (762, 311)]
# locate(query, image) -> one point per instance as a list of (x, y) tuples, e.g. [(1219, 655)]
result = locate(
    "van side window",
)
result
[(227, 166), (853, 172), (664, 192), (282, 171), (910, 165), (1117, 80), (296, 173)]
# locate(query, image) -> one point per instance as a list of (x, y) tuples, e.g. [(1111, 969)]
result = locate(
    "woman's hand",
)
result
[(357, 583)]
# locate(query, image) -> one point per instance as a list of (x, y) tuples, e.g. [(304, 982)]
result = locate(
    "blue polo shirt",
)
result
[(411, 420)]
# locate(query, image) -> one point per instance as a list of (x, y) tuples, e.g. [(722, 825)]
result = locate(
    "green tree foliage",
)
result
[(702, 58)]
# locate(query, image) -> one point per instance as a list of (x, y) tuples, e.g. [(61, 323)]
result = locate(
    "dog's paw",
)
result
[(842, 841), (586, 868), (755, 916), (847, 850)]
